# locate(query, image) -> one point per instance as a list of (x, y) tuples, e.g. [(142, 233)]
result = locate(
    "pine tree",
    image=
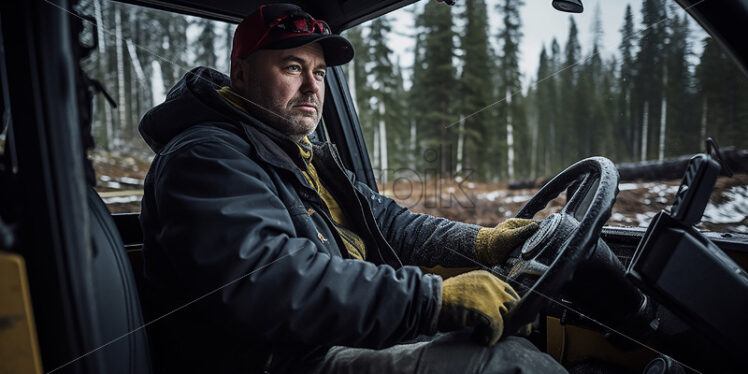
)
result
[(400, 133), (591, 94), (681, 126), (609, 145), (418, 98), (509, 37), (586, 109), (625, 123), (356, 73), (383, 93), (122, 107), (103, 76), (228, 43), (545, 93), (173, 43), (648, 84), (723, 90), (475, 90), (568, 130), (435, 82), (205, 44), (556, 119)]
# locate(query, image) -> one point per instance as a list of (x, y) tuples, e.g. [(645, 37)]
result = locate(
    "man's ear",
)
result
[(239, 74)]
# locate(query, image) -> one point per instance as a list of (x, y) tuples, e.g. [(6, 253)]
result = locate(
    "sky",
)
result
[(540, 24)]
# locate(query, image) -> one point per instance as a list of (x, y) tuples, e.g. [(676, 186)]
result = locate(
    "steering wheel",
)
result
[(548, 259)]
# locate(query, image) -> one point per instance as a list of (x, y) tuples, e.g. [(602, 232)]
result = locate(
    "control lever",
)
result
[(697, 184)]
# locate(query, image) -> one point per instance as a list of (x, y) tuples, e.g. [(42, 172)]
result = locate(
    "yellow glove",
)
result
[(493, 244), (476, 299)]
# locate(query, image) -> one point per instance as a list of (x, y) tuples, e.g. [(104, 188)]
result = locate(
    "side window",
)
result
[(141, 53), (468, 110)]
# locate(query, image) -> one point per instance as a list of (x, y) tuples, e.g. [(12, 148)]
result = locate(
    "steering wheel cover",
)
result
[(580, 244)]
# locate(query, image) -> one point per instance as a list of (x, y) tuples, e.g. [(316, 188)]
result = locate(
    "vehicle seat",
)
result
[(123, 335)]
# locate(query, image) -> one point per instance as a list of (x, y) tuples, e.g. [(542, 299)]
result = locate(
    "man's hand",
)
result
[(493, 244), (476, 299)]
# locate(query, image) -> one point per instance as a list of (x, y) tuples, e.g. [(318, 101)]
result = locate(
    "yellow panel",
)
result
[(569, 344), (555, 339), (19, 349)]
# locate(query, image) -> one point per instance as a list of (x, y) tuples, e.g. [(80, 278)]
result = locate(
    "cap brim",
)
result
[(337, 49)]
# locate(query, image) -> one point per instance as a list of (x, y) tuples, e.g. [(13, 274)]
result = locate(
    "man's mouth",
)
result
[(311, 108)]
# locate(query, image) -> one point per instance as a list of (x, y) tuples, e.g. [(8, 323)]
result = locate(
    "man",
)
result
[(262, 251)]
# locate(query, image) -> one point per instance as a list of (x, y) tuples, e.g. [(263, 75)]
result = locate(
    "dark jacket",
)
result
[(241, 255)]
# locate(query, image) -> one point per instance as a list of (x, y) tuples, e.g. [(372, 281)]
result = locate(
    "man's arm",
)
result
[(224, 226), (422, 239)]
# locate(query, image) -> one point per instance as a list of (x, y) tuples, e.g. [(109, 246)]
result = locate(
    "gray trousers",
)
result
[(453, 352)]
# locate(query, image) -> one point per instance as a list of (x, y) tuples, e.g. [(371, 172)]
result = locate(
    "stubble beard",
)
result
[(292, 122)]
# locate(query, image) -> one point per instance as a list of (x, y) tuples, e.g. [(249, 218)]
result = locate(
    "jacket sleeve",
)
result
[(229, 236), (421, 239)]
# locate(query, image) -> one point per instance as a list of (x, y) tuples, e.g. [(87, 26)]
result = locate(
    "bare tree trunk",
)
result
[(412, 144), (663, 124), (120, 78), (229, 44), (630, 135), (139, 73), (383, 142), (445, 150), (157, 88), (103, 71), (460, 143), (376, 148), (645, 131), (509, 137), (663, 121), (137, 80), (550, 154), (137, 86), (534, 147), (635, 139), (704, 112)]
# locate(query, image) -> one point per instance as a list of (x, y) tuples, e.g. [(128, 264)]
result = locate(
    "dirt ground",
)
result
[(121, 182)]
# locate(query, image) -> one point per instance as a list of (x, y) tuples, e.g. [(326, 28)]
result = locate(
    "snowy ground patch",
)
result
[(122, 199), (734, 209), (491, 196)]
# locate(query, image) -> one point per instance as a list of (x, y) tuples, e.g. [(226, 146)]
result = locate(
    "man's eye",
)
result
[(320, 73), (294, 68)]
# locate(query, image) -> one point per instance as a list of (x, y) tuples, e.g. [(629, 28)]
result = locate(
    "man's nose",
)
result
[(309, 83)]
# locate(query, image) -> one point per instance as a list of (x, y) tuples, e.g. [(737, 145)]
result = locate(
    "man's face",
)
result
[(289, 87)]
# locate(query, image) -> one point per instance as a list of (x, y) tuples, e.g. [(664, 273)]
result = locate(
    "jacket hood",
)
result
[(192, 100)]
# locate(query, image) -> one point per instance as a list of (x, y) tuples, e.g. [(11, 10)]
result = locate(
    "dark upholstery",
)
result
[(124, 339)]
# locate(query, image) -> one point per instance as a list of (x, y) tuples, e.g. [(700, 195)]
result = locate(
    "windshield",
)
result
[(468, 110)]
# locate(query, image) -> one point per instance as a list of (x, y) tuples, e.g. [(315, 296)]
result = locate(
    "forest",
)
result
[(464, 111)]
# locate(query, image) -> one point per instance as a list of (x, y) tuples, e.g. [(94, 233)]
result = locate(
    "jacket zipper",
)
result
[(368, 214)]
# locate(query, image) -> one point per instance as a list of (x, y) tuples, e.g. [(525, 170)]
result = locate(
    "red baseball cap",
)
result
[(284, 26)]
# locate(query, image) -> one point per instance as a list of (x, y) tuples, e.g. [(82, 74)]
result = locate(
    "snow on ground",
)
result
[(122, 199), (662, 189), (734, 209), (618, 217), (643, 219), (628, 186), (638, 202), (491, 196)]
